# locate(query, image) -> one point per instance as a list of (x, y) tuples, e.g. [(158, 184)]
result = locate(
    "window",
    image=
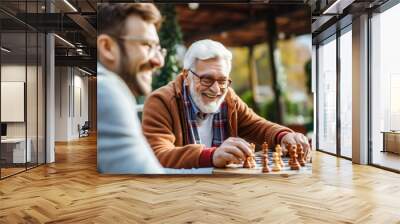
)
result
[(327, 96), (385, 88), (346, 93)]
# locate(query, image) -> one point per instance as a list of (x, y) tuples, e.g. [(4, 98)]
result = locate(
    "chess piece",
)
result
[(266, 168), (250, 162), (253, 148), (288, 149), (277, 166), (246, 163), (294, 165), (278, 149), (300, 153), (265, 148), (252, 158)]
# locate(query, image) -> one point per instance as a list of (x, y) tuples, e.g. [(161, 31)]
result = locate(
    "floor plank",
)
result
[(386, 159), (71, 191)]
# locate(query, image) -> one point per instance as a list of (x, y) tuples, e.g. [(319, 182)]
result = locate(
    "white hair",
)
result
[(207, 49)]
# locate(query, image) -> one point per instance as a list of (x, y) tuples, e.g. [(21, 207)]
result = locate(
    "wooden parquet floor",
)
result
[(71, 191)]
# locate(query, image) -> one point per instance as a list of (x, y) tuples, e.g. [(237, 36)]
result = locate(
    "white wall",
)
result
[(16, 73), (80, 110), (71, 102), (62, 81)]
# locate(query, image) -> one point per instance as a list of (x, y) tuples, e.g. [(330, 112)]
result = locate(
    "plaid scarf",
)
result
[(191, 112)]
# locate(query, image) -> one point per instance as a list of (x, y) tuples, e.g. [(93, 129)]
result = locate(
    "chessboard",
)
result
[(238, 168)]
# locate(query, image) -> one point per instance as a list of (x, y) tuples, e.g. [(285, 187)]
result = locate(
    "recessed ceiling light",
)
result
[(64, 40), (5, 50), (70, 5), (338, 6), (84, 71), (193, 5)]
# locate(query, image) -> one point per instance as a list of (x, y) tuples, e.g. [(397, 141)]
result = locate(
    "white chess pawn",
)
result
[(278, 149), (277, 164)]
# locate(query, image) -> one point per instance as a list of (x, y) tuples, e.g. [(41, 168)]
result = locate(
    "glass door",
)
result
[(22, 63), (14, 144)]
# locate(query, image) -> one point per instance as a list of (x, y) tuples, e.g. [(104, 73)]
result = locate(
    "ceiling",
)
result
[(242, 24), (76, 24)]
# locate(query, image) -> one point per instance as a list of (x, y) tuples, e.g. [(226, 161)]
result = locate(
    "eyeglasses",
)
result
[(208, 81), (153, 47)]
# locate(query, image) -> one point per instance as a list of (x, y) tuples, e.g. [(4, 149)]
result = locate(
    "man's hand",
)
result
[(232, 150), (296, 138)]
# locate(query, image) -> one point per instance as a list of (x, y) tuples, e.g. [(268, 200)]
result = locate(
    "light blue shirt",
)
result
[(121, 146)]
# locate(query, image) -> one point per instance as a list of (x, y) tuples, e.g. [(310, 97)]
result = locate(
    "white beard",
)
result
[(205, 108)]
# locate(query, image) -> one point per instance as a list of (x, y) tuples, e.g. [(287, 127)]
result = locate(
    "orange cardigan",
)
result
[(164, 129)]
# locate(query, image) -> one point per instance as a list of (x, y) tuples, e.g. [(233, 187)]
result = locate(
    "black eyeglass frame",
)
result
[(207, 81), (153, 47)]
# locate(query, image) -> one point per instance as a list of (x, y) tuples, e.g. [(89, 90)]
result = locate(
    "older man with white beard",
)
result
[(197, 120)]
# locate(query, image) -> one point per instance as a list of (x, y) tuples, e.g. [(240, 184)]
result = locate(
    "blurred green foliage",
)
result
[(307, 69), (309, 125), (247, 97), (170, 36), (291, 107), (266, 109)]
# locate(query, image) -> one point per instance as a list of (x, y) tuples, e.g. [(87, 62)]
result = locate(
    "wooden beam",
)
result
[(253, 77), (272, 40), (225, 27)]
